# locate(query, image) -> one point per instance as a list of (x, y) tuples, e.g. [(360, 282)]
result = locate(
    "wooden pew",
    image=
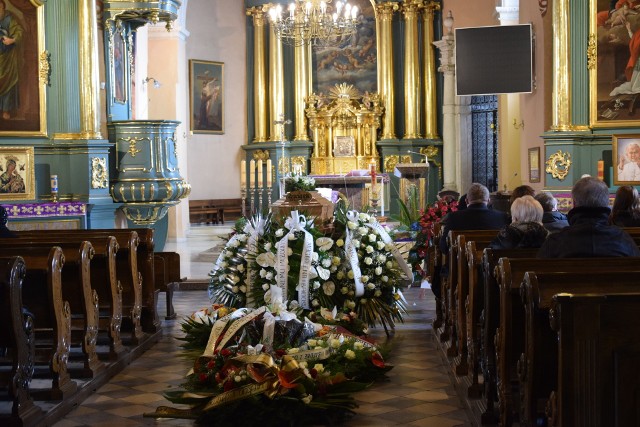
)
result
[(458, 273), (16, 335), (42, 296), (167, 277), (538, 368), (491, 311), (510, 333), (598, 353), (203, 211), (134, 277), (100, 276)]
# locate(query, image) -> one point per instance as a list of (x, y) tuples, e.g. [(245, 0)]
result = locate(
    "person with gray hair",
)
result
[(589, 233), (526, 229), (552, 220)]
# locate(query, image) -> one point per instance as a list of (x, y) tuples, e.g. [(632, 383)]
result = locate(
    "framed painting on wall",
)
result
[(613, 60), (534, 164), (206, 94), (626, 159), (17, 173), (24, 69)]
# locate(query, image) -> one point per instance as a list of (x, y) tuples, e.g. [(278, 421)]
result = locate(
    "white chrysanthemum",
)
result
[(340, 243), (279, 232), (324, 243), (389, 264), (323, 273), (358, 345), (363, 216), (263, 273), (368, 261), (312, 343), (364, 279), (307, 399), (382, 258), (377, 293), (269, 276), (350, 274), (369, 249), (293, 350), (378, 271), (267, 246), (344, 290), (385, 278), (326, 263), (266, 287), (340, 275), (318, 367), (372, 237), (302, 364), (336, 260), (267, 259), (291, 236), (329, 288), (349, 354), (289, 251), (315, 256), (351, 304), (363, 231), (352, 225), (315, 303), (334, 343), (316, 285), (380, 245), (371, 286)]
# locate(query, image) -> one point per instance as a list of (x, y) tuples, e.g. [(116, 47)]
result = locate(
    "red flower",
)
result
[(377, 360), (225, 352), (203, 378)]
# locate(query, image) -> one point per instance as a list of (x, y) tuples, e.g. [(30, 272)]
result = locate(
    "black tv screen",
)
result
[(494, 60)]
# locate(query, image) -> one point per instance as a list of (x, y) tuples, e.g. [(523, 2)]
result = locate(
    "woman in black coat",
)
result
[(526, 229)]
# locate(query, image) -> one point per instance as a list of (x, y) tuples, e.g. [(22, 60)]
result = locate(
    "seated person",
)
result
[(626, 208), (521, 190), (589, 233), (477, 216), (526, 229), (551, 218)]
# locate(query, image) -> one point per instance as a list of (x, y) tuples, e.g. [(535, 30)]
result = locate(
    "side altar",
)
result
[(357, 189)]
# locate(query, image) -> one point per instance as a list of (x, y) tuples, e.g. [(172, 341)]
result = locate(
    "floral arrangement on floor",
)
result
[(283, 341), (424, 238)]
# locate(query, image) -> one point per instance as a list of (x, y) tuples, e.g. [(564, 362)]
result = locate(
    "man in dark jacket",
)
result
[(589, 233), (477, 216), (551, 218)]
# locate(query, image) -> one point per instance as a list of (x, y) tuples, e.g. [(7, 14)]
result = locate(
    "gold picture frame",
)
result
[(27, 114), (206, 94), (17, 173), (626, 159), (612, 90), (534, 164)]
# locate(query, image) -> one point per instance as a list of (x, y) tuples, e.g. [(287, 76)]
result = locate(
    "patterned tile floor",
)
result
[(418, 392)]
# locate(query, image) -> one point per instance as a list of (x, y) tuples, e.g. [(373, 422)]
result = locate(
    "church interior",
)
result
[(145, 131)]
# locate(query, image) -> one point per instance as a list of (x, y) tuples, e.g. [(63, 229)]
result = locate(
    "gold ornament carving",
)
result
[(558, 165), (592, 52), (133, 151), (390, 163), (99, 173), (261, 155), (45, 68), (299, 161), (432, 154)]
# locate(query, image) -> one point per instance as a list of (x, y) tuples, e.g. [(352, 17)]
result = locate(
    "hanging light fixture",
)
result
[(314, 22)]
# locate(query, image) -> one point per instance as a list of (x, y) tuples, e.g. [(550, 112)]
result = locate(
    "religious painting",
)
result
[(613, 55), (24, 68), (344, 146), (17, 173), (352, 60), (118, 55), (534, 164), (206, 93), (626, 159)]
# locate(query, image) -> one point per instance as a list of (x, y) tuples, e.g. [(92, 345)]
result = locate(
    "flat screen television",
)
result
[(494, 60)]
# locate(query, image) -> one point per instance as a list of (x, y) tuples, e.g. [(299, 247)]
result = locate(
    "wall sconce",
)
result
[(156, 83), (518, 126)]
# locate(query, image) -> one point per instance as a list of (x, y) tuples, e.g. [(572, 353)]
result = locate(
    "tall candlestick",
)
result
[(252, 168), (373, 175), (269, 181), (259, 173), (243, 173)]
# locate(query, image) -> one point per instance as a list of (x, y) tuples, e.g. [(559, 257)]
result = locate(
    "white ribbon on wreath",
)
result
[(375, 225), (352, 254), (295, 223)]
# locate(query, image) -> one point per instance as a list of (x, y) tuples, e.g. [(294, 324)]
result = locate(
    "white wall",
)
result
[(217, 33)]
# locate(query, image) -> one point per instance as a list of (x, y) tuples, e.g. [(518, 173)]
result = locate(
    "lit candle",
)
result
[(243, 174), (259, 173), (269, 173), (252, 168), (373, 173)]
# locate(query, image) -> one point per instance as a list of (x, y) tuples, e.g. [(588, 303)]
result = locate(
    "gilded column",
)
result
[(302, 83), (384, 17), (89, 73), (411, 70), (430, 102), (450, 154), (276, 84), (259, 75), (561, 105)]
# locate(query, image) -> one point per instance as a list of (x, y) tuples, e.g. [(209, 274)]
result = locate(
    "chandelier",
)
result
[(314, 22)]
